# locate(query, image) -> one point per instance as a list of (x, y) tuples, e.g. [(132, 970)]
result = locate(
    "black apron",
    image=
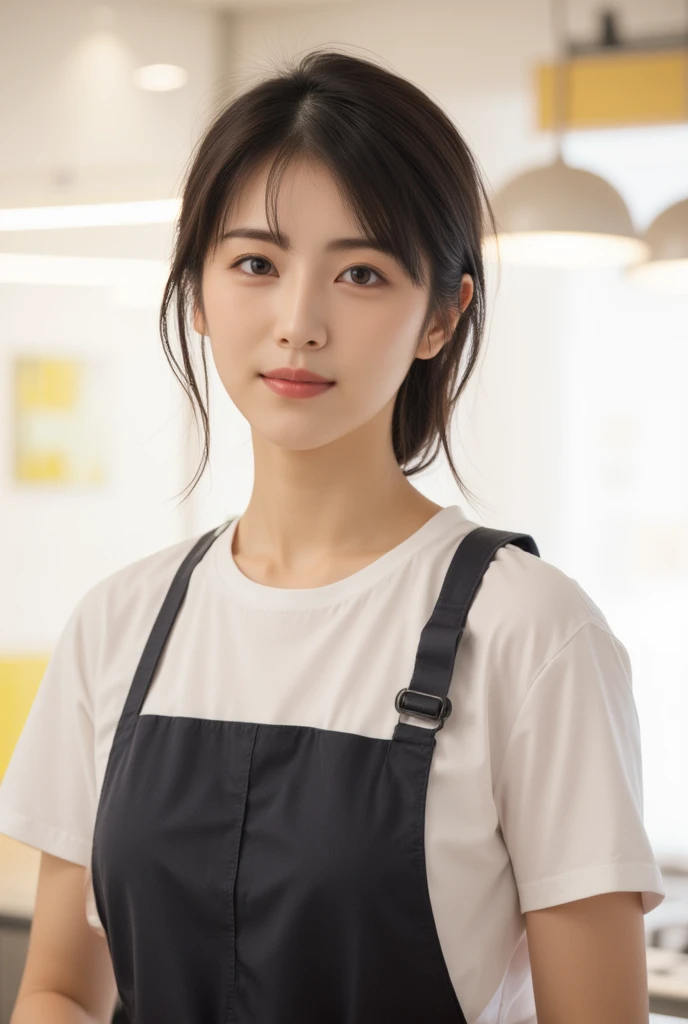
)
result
[(247, 873)]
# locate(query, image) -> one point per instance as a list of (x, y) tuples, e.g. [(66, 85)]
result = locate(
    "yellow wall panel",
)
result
[(20, 678), (617, 90)]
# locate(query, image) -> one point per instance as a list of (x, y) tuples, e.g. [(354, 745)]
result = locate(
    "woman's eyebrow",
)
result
[(334, 245)]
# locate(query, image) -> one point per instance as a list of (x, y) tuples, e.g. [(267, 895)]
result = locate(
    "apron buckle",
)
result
[(423, 705)]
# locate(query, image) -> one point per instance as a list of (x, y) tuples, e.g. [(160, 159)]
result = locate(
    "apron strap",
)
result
[(163, 625), (426, 695)]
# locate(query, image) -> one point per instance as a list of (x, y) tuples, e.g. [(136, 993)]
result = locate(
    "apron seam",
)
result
[(230, 1014)]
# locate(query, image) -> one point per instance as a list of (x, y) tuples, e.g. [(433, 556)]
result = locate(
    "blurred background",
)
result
[(574, 429)]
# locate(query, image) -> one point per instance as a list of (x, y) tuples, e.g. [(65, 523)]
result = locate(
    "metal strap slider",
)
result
[(423, 705)]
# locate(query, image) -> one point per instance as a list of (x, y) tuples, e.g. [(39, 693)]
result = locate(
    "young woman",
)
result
[(349, 758)]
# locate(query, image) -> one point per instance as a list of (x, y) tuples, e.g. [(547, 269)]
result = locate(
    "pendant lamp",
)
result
[(666, 269), (558, 215)]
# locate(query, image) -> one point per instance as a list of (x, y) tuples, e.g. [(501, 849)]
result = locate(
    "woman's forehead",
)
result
[(301, 182)]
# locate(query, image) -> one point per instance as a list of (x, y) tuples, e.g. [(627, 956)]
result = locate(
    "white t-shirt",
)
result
[(535, 789)]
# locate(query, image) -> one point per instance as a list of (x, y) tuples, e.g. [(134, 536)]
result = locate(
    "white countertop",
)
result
[(667, 972)]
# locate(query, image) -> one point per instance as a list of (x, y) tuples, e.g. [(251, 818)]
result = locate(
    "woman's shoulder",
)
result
[(130, 597), (527, 611), (520, 588)]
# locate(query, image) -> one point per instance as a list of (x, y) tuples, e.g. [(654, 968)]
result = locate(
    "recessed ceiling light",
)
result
[(160, 77)]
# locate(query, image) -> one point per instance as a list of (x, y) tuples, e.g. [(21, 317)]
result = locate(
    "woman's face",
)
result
[(350, 314)]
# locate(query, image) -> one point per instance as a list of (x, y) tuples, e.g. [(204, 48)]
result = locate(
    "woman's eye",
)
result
[(252, 259), (352, 270), (366, 270)]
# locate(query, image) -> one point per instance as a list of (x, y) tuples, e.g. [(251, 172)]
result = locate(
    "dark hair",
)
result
[(413, 186)]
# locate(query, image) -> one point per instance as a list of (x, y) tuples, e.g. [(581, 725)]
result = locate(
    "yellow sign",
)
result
[(616, 90), (20, 678)]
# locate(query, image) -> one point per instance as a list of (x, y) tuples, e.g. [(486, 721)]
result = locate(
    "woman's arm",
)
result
[(589, 962), (68, 976), (50, 1008)]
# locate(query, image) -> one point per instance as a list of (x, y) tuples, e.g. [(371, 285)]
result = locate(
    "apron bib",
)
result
[(247, 873)]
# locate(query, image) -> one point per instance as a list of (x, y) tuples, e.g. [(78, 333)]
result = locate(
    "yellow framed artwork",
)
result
[(58, 426)]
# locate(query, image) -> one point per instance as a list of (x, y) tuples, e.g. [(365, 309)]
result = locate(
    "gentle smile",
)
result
[(296, 388)]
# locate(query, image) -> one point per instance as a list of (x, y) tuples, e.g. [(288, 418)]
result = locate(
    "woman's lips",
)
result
[(296, 388)]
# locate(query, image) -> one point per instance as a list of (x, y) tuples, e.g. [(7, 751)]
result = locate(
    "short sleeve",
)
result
[(569, 792), (47, 795)]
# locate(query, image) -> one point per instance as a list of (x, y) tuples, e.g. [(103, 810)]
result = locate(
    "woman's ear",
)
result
[(465, 291), (436, 337)]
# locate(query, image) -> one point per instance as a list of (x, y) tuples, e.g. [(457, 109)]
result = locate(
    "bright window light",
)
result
[(30, 268), (90, 215), (130, 282)]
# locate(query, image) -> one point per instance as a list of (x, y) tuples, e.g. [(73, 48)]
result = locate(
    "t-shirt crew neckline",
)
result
[(444, 523)]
